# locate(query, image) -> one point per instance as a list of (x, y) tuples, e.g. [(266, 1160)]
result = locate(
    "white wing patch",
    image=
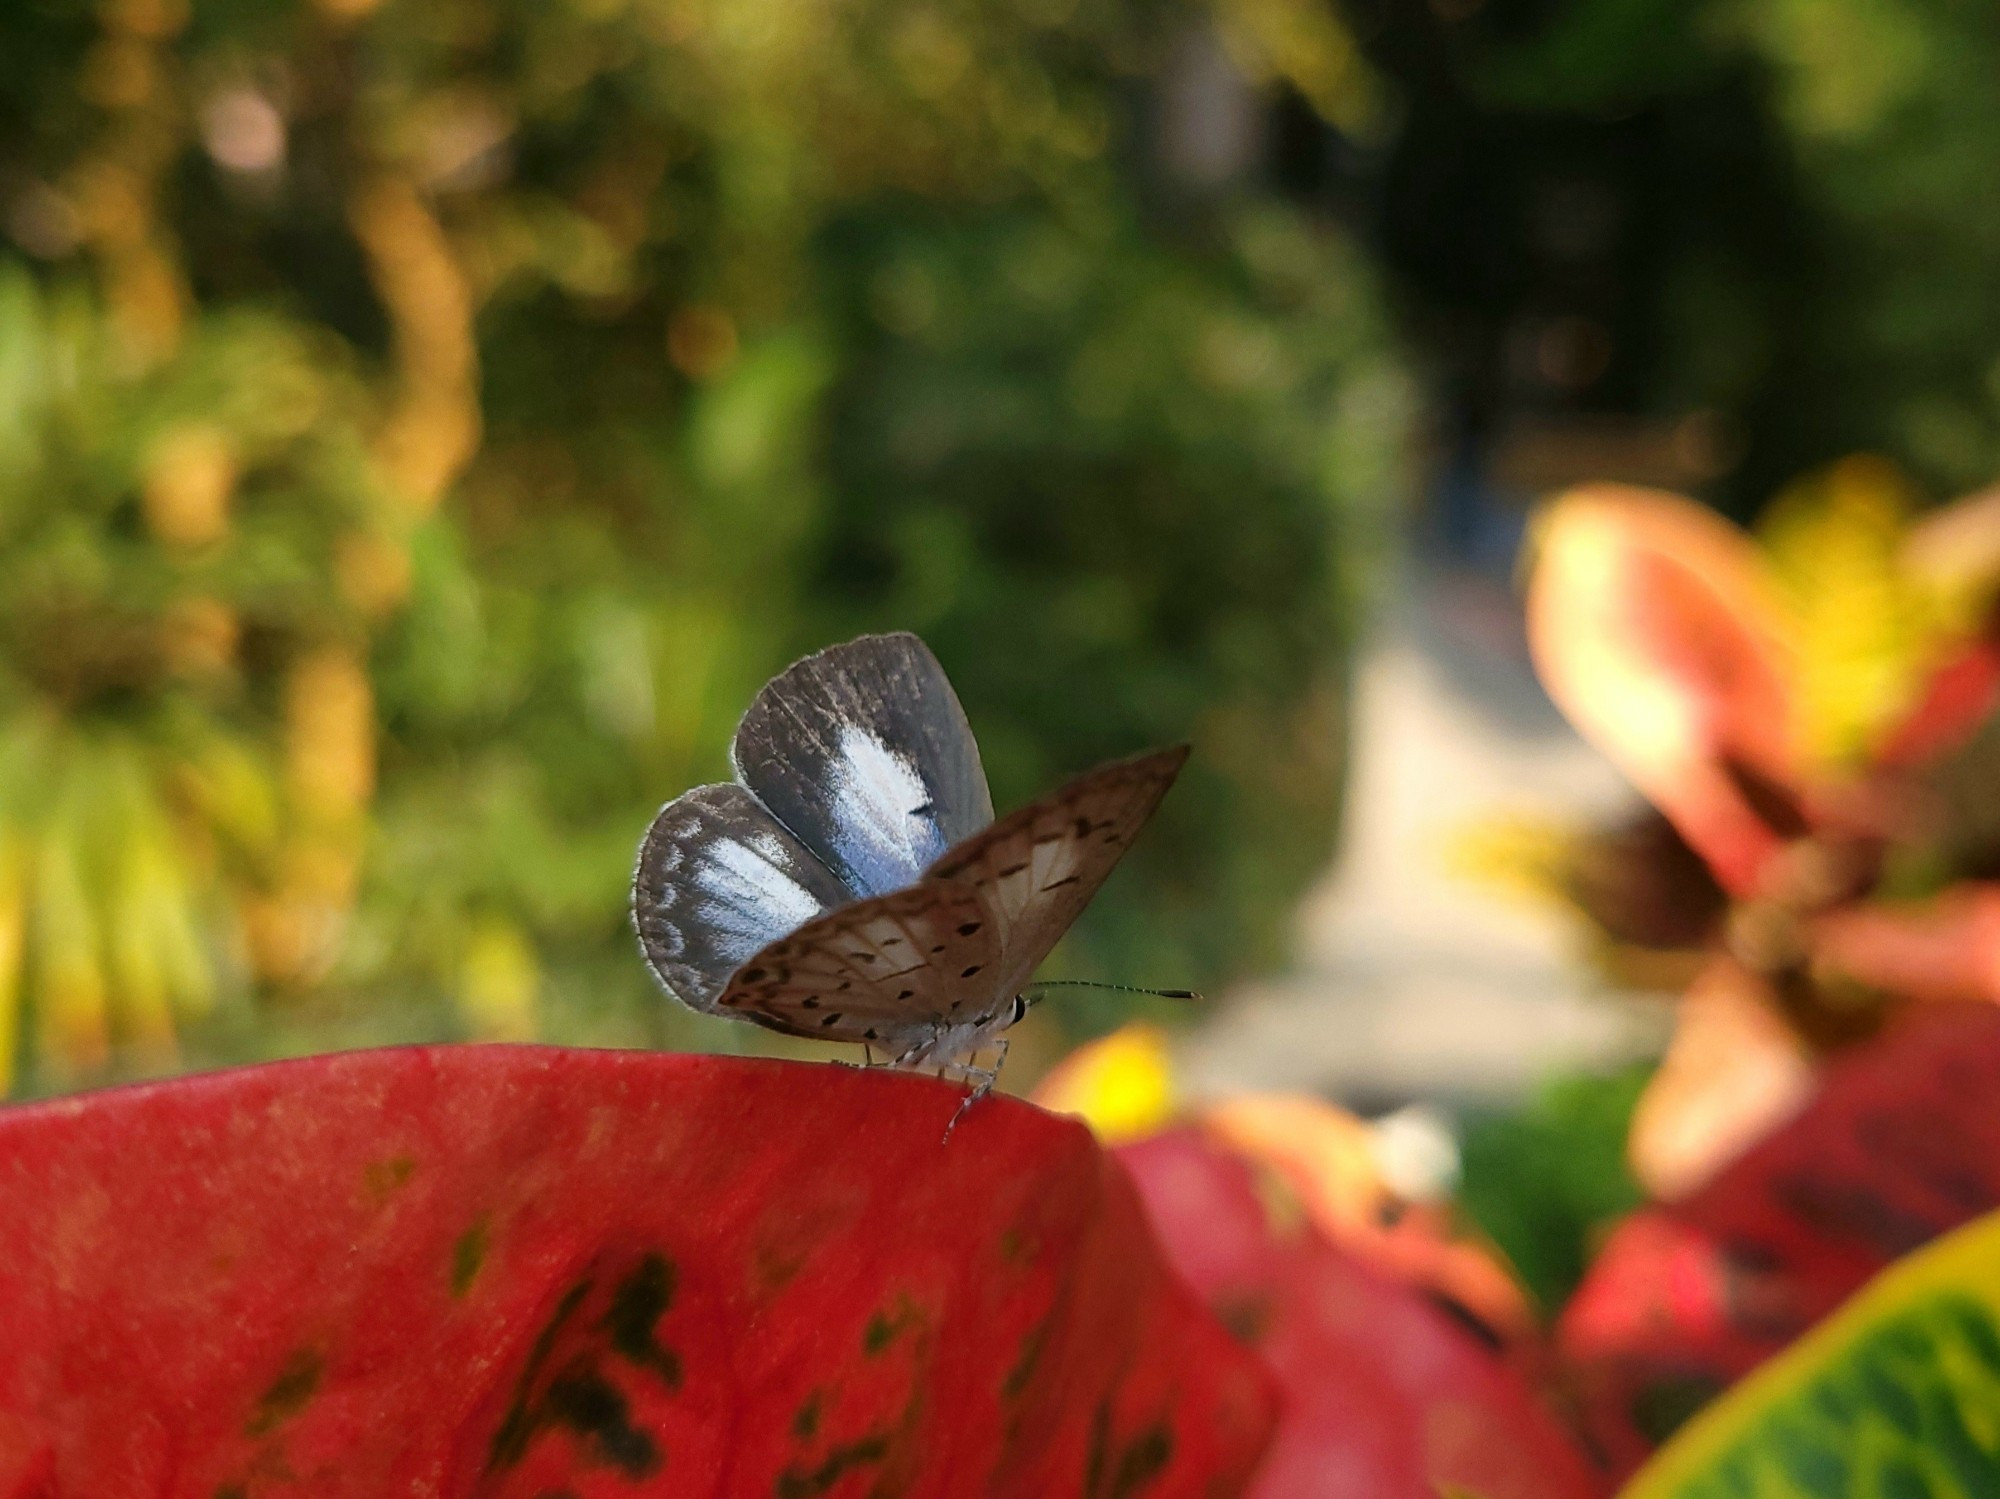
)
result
[(717, 878), (745, 892), (882, 811)]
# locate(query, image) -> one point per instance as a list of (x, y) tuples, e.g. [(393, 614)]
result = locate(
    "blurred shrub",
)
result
[(1877, 328), (1547, 1180), (1101, 474), (423, 426)]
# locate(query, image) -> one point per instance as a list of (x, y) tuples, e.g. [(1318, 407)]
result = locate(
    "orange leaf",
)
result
[(1655, 629), (1734, 1070)]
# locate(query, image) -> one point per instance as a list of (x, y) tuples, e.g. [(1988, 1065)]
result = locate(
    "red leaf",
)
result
[(524, 1271), (1900, 1143), (1654, 630), (1944, 948), (1387, 1396), (1958, 696)]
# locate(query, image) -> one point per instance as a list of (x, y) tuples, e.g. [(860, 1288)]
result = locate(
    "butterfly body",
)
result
[(852, 884)]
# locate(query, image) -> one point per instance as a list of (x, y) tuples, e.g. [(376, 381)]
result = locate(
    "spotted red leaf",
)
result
[(526, 1272), (1900, 1143), (1387, 1395)]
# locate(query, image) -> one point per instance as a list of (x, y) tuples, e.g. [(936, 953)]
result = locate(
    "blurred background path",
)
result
[(1411, 980)]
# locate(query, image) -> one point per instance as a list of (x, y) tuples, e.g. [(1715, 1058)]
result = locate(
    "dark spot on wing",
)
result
[(1058, 884), (1083, 827), (869, 1034), (752, 975), (1012, 869), (966, 929), (809, 1003), (906, 994), (892, 941), (862, 957), (938, 949), (968, 973), (832, 1018)]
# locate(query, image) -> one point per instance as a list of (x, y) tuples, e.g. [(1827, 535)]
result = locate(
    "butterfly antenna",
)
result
[(1116, 988)]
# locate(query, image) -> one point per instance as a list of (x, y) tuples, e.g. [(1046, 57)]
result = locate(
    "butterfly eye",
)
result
[(1020, 1008)]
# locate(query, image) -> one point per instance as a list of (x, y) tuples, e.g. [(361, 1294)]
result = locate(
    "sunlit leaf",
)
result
[(1656, 630), (513, 1271)]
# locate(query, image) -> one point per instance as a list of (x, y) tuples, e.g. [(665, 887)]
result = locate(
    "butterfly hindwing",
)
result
[(719, 878), (1038, 867), (885, 969), (864, 753)]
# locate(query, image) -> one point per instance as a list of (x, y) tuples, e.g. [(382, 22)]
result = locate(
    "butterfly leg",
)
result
[(982, 1079)]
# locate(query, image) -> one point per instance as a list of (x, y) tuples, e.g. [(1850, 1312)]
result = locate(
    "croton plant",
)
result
[(557, 1274)]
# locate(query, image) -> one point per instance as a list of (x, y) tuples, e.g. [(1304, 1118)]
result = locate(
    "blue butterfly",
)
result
[(851, 883)]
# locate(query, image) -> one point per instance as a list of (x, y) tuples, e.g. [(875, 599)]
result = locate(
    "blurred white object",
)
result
[(1416, 1150)]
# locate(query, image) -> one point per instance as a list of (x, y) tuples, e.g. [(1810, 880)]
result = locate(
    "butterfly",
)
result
[(851, 883)]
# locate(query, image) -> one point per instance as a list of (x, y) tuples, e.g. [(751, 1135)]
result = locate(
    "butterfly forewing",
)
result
[(1038, 867), (863, 751), (883, 969), (718, 879)]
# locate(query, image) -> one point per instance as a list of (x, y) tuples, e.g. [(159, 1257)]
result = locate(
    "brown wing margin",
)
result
[(1038, 867)]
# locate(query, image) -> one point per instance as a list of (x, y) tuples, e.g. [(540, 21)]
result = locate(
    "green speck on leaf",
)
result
[(793, 1484), (382, 1178), (1025, 1361), (885, 1326), (467, 1255), (288, 1393), (805, 1425)]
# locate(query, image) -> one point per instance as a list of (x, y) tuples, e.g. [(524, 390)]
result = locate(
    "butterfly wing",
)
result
[(1038, 867), (719, 878), (884, 969), (863, 752)]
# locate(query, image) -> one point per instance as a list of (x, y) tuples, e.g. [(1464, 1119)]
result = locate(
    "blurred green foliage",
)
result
[(423, 426), (1545, 1181), (1866, 315)]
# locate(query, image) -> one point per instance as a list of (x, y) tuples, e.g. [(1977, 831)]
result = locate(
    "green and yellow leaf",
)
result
[(1896, 1396)]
